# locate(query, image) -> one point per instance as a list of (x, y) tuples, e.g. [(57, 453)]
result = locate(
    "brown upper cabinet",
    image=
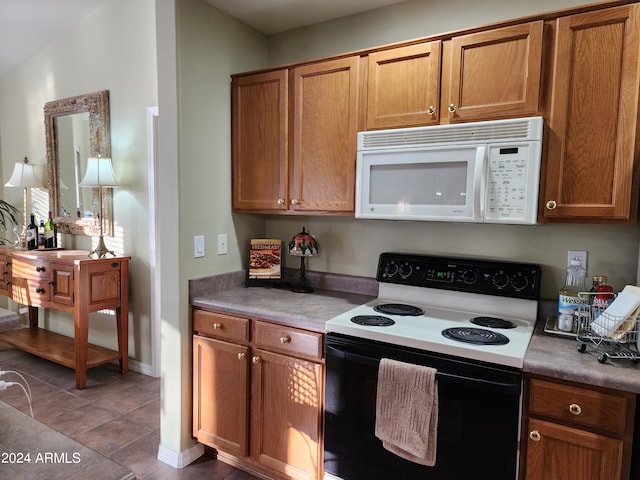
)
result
[(495, 74), (486, 75), (294, 148), (324, 125), (591, 172), (404, 86), (259, 140)]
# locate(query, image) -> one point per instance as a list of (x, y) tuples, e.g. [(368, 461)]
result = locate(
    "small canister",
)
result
[(565, 319)]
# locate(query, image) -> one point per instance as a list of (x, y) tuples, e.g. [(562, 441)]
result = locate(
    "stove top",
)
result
[(450, 306)]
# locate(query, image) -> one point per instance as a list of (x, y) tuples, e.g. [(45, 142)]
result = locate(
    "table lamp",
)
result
[(99, 174), (25, 176), (303, 245)]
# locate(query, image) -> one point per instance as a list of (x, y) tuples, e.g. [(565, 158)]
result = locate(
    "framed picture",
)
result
[(265, 261)]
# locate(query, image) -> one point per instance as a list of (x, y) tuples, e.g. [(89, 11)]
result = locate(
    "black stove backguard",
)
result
[(488, 277)]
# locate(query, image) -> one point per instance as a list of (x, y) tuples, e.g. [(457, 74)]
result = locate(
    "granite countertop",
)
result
[(548, 355)]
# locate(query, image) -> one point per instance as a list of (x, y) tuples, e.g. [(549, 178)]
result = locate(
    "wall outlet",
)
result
[(581, 254), (198, 246), (222, 244)]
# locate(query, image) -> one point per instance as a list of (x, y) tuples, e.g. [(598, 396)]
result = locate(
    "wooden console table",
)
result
[(71, 281)]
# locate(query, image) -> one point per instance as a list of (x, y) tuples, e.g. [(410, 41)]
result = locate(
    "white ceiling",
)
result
[(275, 16), (27, 26)]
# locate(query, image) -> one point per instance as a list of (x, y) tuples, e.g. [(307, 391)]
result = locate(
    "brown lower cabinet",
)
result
[(258, 389), (576, 432)]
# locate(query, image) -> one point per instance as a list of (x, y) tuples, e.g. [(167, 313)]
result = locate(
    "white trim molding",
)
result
[(180, 459)]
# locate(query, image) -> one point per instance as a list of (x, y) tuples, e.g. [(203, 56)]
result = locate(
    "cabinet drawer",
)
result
[(598, 410), (220, 325), (280, 338), (33, 270), (36, 293)]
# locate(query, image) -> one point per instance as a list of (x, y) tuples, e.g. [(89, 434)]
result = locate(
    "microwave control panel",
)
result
[(512, 183)]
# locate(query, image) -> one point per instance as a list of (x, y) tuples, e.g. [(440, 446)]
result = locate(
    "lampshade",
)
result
[(99, 173), (303, 245), (24, 175)]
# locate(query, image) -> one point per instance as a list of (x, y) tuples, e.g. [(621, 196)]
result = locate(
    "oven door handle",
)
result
[(512, 387)]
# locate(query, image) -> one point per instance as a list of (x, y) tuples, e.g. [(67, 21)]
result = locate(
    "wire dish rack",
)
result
[(614, 337)]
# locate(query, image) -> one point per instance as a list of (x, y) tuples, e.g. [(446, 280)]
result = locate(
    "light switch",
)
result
[(222, 244), (198, 246)]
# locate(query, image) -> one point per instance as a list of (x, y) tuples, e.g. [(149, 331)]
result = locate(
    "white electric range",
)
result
[(491, 307)]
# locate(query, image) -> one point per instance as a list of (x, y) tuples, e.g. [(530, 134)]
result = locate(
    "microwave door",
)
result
[(429, 183)]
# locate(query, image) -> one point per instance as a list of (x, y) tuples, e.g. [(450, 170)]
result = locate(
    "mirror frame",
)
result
[(97, 104)]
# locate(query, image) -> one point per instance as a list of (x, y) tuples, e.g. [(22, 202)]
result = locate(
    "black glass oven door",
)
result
[(479, 411)]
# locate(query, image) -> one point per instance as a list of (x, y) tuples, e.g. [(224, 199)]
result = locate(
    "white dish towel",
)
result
[(407, 410)]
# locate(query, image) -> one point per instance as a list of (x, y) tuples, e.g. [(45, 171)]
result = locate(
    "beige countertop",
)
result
[(548, 355), (558, 357), (303, 310)]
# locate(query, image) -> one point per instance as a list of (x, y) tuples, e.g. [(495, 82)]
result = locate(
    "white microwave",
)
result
[(473, 172)]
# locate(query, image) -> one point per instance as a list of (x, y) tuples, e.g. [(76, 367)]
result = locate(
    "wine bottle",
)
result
[(32, 234), (41, 235), (50, 233)]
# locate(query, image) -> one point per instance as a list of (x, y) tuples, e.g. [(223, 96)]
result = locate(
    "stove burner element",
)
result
[(493, 322), (476, 336), (398, 309), (372, 320)]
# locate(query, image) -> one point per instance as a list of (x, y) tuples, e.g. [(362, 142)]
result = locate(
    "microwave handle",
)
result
[(479, 182)]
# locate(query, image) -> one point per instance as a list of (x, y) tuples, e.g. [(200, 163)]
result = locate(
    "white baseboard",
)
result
[(180, 459), (143, 368)]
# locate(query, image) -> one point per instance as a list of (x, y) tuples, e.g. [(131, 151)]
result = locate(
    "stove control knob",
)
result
[(500, 279), (469, 277), (390, 269), (519, 282), (405, 270)]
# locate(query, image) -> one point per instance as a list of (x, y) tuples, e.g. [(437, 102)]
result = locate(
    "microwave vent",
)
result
[(522, 129)]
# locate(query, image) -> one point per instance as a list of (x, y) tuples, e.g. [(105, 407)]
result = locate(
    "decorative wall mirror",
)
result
[(77, 128)]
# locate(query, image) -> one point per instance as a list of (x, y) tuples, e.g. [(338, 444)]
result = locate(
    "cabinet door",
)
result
[(259, 141), (403, 87), (62, 283), (325, 124), (286, 416), (593, 118), (220, 394), (495, 74), (559, 452)]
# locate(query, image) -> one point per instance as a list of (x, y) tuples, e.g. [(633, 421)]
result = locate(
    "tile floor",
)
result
[(116, 415)]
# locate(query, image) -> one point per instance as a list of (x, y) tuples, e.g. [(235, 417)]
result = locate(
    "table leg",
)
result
[(81, 340), (122, 322), (33, 317)]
